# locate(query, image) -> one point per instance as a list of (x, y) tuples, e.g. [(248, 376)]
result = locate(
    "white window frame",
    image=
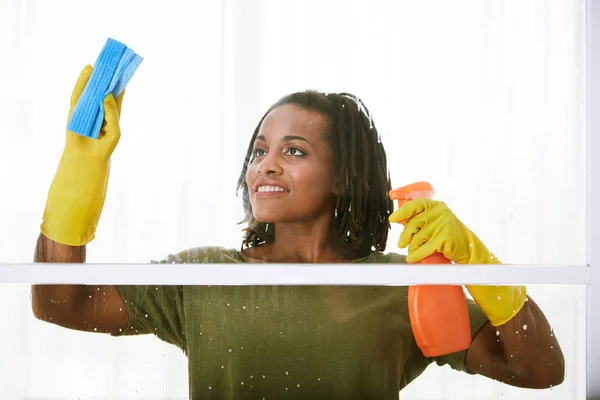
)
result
[(593, 197), (386, 274)]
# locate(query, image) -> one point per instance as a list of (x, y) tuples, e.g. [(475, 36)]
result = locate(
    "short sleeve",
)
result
[(159, 309), (154, 309), (457, 360)]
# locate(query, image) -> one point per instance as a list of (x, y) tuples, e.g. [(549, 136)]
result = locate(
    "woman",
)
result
[(315, 188)]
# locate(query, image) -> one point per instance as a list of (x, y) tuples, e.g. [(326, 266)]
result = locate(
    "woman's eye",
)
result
[(295, 152), (259, 152)]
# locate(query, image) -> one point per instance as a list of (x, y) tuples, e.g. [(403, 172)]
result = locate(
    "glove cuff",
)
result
[(75, 200), (499, 303)]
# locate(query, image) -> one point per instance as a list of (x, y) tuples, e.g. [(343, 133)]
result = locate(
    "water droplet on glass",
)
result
[(287, 373), (298, 385), (517, 332), (90, 296), (95, 329), (210, 387), (146, 315), (222, 366), (120, 309), (263, 376), (242, 383), (499, 298), (230, 350), (551, 347), (286, 388), (244, 307), (497, 333), (227, 304), (524, 327)]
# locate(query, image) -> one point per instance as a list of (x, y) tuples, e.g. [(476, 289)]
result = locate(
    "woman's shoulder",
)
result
[(205, 254), (378, 257)]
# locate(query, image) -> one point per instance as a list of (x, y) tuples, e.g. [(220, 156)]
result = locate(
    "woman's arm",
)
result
[(81, 307), (47, 250), (523, 352), (517, 346), (73, 208)]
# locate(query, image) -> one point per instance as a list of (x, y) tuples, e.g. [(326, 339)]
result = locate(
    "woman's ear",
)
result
[(337, 190)]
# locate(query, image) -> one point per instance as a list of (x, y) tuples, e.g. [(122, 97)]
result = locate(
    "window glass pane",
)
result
[(485, 101), (272, 342)]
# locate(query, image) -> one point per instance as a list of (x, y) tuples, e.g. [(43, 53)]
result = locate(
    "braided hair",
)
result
[(363, 182)]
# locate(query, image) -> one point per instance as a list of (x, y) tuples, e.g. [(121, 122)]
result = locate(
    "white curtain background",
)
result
[(485, 100)]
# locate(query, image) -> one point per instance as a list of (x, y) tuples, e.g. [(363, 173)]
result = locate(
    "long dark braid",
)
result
[(362, 205)]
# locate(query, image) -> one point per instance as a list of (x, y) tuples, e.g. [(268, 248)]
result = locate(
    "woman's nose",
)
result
[(269, 165)]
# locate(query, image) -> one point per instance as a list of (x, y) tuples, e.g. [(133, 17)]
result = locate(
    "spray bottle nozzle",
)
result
[(417, 190)]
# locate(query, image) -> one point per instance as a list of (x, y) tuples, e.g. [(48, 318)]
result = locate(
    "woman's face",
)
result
[(291, 175)]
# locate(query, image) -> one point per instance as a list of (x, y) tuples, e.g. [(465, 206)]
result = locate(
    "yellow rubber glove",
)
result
[(431, 227), (77, 193)]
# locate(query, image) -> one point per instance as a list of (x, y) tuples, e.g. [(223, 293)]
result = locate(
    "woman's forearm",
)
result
[(47, 250), (531, 348), (48, 302), (522, 352)]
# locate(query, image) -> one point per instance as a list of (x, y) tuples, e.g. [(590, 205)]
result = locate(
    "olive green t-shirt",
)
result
[(287, 342)]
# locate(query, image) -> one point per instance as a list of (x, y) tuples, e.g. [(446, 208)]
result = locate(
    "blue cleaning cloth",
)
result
[(114, 67)]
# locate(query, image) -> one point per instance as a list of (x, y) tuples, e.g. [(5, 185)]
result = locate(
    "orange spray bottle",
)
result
[(438, 313)]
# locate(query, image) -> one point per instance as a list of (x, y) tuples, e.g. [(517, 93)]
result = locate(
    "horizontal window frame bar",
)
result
[(294, 274)]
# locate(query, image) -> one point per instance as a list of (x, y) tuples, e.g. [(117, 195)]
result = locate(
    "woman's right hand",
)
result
[(77, 193)]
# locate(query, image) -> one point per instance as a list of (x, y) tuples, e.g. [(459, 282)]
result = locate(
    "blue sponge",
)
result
[(114, 67)]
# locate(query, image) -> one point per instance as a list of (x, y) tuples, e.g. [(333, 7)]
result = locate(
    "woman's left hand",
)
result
[(431, 227)]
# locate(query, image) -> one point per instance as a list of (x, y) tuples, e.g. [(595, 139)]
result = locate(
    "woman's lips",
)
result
[(269, 191)]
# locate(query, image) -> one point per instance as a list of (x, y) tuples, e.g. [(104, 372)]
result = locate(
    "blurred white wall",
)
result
[(486, 100)]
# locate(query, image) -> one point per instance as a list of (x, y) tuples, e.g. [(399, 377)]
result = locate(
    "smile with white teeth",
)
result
[(270, 188)]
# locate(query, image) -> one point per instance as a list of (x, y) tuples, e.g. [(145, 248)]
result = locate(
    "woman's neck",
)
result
[(299, 243)]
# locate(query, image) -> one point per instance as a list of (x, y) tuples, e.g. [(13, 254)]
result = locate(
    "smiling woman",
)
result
[(315, 187), (291, 177), (328, 154)]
